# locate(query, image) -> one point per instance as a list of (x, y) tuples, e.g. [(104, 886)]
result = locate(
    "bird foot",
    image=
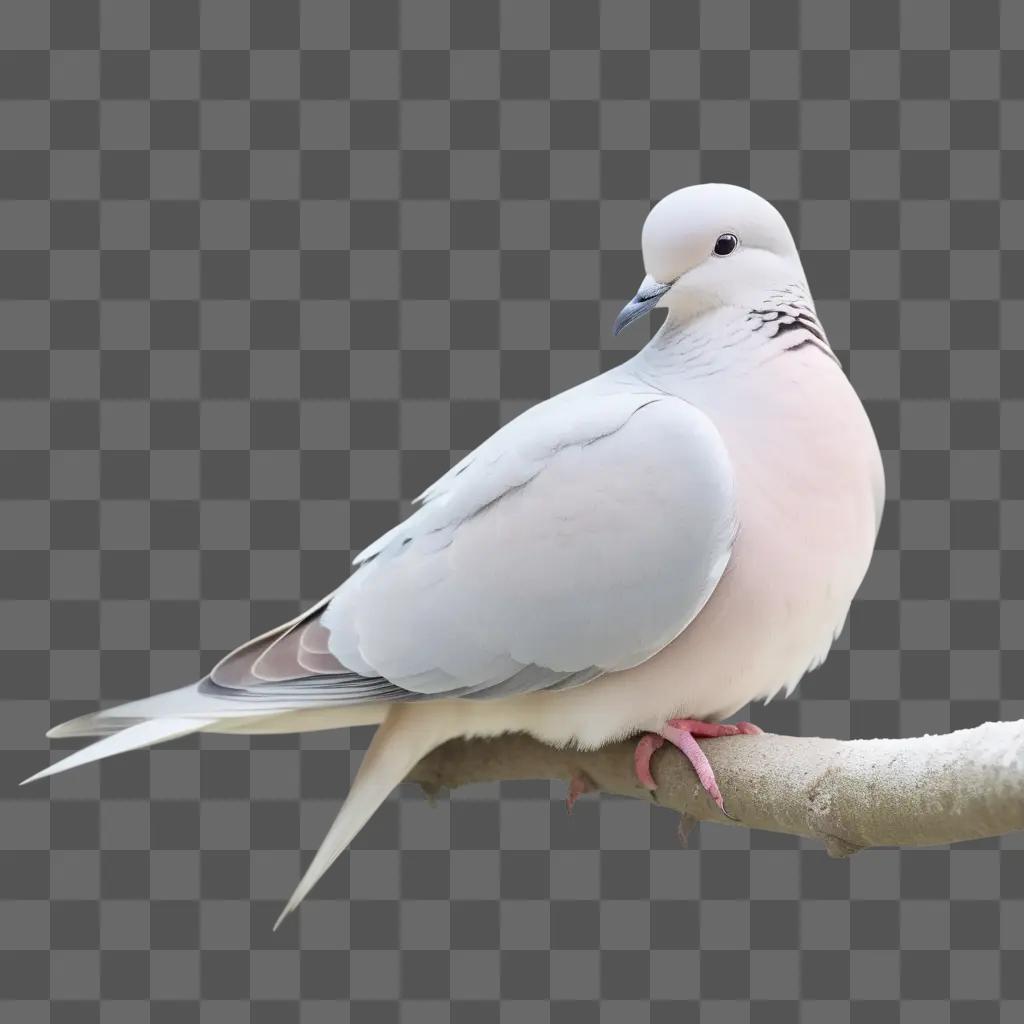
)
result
[(579, 784), (680, 732)]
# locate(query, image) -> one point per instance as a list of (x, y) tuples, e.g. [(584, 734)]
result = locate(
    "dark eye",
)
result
[(726, 244)]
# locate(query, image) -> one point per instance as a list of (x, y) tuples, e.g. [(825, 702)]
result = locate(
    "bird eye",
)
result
[(725, 244)]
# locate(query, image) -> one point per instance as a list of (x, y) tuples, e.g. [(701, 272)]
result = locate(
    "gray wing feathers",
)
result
[(581, 538), (581, 546)]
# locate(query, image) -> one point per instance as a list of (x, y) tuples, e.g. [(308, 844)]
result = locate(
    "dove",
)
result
[(640, 555)]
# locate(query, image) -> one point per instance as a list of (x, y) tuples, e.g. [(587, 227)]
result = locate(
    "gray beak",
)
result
[(641, 304)]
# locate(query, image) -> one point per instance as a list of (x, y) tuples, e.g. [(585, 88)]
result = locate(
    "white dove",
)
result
[(643, 553)]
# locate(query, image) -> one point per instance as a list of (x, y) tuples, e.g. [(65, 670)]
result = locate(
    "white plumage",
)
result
[(671, 539)]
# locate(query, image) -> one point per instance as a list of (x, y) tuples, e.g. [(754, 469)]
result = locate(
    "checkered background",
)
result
[(266, 270)]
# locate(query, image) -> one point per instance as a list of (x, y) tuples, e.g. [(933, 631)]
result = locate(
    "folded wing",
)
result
[(580, 539)]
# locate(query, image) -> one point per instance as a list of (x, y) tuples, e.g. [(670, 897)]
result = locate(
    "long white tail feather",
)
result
[(399, 743), (143, 734), (185, 702), (94, 724)]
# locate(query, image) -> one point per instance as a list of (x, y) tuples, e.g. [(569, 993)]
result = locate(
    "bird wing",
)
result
[(581, 538)]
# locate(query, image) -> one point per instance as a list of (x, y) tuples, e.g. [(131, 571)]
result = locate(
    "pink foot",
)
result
[(711, 730), (645, 748), (683, 739), (578, 785), (680, 732)]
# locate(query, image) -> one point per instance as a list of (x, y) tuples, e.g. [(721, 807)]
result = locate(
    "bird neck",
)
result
[(734, 338)]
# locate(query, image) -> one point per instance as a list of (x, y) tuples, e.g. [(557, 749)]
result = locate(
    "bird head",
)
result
[(712, 245)]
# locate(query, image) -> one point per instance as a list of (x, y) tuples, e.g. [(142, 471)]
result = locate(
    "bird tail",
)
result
[(142, 723), (131, 737), (404, 737)]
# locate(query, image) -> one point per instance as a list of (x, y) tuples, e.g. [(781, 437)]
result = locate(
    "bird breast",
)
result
[(809, 492), (809, 486)]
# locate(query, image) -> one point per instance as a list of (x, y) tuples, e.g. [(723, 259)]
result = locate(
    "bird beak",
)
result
[(643, 302)]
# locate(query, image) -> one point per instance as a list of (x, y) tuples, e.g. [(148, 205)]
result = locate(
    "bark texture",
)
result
[(850, 794)]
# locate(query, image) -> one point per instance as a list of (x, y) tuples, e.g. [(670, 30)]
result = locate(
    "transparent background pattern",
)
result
[(267, 269)]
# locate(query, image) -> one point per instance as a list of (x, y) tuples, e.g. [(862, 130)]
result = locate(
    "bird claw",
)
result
[(645, 748), (712, 730), (579, 784), (680, 732), (749, 729)]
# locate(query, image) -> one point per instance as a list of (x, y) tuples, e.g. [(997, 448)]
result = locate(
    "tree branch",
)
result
[(850, 794)]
